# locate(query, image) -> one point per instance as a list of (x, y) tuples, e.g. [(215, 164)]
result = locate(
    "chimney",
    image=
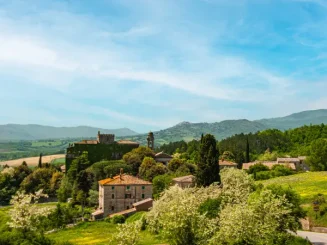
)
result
[(121, 173)]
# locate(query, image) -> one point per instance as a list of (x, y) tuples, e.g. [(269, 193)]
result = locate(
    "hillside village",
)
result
[(104, 180)]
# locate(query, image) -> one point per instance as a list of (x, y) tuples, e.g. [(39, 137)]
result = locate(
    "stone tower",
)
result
[(105, 138), (150, 140)]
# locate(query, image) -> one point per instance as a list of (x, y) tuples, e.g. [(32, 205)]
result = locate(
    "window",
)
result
[(142, 195), (128, 187), (127, 207), (128, 195), (112, 187), (112, 208), (143, 187), (112, 196)]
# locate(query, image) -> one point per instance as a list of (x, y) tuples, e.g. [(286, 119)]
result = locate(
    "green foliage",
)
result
[(118, 219), (65, 190), (318, 155), (136, 156), (37, 180), (208, 168), (175, 163), (161, 183), (210, 208), (257, 168), (150, 169)]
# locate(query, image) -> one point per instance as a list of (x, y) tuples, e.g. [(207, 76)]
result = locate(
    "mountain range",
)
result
[(188, 131), (37, 132), (182, 131)]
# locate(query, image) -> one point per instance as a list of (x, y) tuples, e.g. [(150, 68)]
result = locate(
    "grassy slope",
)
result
[(307, 185), (97, 233)]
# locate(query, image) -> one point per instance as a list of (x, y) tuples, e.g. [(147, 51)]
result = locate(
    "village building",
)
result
[(226, 164), (269, 164), (163, 158), (185, 181), (121, 192), (103, 148)]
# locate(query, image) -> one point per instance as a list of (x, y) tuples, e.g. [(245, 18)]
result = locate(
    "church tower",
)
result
[(150, 140)]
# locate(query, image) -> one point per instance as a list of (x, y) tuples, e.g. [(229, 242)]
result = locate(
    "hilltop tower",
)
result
[(105, 138), (150, 140)]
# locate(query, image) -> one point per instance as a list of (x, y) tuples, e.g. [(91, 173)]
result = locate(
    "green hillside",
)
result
[(33, 132), (307, 185), (188, 131)]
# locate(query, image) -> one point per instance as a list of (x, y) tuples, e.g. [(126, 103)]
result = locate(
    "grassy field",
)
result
[(307, 185), (97, 233), (32, 161)]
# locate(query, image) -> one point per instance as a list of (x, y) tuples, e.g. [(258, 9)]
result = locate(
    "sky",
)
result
[(148, 65)]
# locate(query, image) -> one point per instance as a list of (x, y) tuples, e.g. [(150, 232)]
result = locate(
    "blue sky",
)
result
[(148, 65)]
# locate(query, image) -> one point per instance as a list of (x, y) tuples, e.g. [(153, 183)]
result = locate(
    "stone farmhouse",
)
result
[(104, 147), (184, 181), (119, 193), (226, 164), (163, 158), (296, 164)]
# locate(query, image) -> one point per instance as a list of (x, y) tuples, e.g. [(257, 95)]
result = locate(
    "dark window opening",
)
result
[(142, 195), (112, 208), (127, 207), (128, 195), (112, 196)]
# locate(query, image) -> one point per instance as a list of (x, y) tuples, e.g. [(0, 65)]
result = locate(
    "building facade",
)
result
[(185, 181), (121, 192)]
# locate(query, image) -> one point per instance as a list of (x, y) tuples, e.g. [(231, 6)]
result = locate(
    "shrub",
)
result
[(257, 168), (210, 207), (263, 175), (118, 219)]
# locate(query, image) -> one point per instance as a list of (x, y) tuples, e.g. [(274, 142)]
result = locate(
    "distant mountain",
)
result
[(182, 131), (33, 131), (188, 131), (296, 120)]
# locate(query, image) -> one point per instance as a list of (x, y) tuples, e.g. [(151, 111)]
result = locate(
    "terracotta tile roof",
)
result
[(288, 159), (268, 164), (142, 202), (162, 155), (227, 163), (185, 179), (125, 179), (127, 142), (124, 212)]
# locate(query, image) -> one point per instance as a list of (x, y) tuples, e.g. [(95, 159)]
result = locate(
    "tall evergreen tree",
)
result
[(40, 161), (247, 155), (208, 167)]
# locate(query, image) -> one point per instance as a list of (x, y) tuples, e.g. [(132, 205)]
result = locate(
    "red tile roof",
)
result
[(227, 163), (142, 202), (268, 164), (185, 179), (127, 142), (124, 179)]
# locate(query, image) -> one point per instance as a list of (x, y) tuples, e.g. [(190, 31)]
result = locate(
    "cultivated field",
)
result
[(32, 161)]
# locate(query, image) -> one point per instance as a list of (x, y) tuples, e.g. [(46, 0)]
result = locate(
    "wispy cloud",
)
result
[(156, 50)]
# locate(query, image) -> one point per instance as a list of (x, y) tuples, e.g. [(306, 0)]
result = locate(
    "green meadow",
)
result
[(307, 185)]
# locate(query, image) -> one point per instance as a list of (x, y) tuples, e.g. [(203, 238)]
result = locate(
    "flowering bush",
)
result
[(25, 213)]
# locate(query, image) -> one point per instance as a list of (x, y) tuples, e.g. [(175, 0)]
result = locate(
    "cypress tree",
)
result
[(40, 161), (208, 167), (247, 155)]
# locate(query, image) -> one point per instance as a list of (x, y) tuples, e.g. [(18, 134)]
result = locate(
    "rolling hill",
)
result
[(188, 131), (37, 132), (182, 131)]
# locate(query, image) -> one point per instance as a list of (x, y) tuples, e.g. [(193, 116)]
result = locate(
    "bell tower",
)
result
[(150, 139)]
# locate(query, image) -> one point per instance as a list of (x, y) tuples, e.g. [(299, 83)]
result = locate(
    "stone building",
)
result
[(163, 158), (121, 192), (103, 148), (226, 164), (150, 140), (185, 181)]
